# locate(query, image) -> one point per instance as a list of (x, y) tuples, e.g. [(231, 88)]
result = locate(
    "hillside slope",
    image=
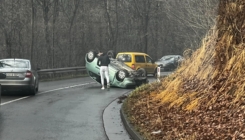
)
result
[(205, 97)]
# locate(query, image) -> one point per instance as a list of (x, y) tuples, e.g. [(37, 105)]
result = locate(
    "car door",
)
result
[(140, 62), (150, 65)]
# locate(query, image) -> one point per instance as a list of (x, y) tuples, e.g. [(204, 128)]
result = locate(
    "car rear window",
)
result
[(124, 57), (14, 64)]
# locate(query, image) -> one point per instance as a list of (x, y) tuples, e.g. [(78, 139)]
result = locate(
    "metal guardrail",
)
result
[(61, 72)]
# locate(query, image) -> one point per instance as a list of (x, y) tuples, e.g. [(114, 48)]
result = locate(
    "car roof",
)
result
[(172, 55), (15, 59), (139, 53)]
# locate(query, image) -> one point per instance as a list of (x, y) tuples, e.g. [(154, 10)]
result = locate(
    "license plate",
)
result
[(9, 74), (14, 74)]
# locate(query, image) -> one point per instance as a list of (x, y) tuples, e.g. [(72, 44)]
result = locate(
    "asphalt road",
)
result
[(62, 110)]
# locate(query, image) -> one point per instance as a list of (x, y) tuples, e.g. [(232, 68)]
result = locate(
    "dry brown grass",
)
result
[(205, 97)]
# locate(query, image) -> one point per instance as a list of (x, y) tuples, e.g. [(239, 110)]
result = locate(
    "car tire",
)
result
[(33, 91), (111, 54), (121, 75), (90, 56), (142, 72), (155, 73), (37, 88), (0, 93)]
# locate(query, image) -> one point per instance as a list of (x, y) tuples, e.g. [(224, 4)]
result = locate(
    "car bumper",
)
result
[(17, 88), (16, 85), (132, 82)]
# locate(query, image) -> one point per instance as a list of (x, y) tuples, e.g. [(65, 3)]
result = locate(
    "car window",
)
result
[(14, 64), (148, 59), (124, 57), (139, 59), (168, 57)]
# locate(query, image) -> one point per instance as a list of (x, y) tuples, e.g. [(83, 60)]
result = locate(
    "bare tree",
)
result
[(49, 30), (46, 5), (70, 10)]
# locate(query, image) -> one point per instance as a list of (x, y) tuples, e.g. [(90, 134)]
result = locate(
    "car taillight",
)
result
[(28, 74), (133, 66)]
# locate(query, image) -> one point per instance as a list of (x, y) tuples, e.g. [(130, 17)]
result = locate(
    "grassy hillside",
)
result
[(205, 97)]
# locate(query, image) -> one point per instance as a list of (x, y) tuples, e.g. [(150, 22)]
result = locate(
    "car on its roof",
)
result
[(138, 60), (120, 75), (20, 76), (169, 62)]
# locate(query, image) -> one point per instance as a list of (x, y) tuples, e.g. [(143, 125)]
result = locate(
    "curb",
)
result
[(112, 122), (131, 131)]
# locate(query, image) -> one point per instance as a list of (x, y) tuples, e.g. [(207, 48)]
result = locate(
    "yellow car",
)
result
[(137, 60)]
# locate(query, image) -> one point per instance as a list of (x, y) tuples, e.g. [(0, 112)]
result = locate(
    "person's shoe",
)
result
[(103, 88)]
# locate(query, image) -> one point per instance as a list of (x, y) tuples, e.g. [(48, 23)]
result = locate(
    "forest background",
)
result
[(58, 33)]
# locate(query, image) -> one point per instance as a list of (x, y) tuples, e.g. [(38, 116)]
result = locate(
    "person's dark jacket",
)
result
[(103, 60)]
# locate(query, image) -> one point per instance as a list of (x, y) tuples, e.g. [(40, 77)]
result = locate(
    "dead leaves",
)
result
[(205, 99)]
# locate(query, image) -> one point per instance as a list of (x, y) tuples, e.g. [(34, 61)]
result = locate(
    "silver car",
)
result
[(169, 62), (19, 76)]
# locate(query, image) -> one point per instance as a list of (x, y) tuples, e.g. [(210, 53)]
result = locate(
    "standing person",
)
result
[(103, 62)]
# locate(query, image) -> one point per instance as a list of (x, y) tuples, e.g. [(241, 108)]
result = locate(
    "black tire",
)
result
[(90, 56), (111, 54), (0, 93), (33, 91), (155, 73), (121, 75), (142, 72)]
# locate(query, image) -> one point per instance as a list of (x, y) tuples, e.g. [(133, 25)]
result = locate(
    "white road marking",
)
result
[(14, 100), (46, 92)]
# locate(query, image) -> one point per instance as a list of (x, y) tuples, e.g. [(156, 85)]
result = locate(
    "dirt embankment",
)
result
[(205, 97)]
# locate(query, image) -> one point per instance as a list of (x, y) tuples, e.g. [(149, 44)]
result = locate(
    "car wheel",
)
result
[(90, 56), (111, 54), (155, 73), (142, 72), (37, 88), (33, 91), (0, 93), (121, 74)]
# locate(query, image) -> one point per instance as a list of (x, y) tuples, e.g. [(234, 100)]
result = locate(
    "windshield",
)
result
[(167, 57), (124, 57), (14, 64)]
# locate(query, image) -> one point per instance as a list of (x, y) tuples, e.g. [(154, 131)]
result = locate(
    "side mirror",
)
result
[(2, 76)]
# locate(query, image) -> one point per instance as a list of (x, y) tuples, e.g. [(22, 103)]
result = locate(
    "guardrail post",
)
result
[(158, 74)]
